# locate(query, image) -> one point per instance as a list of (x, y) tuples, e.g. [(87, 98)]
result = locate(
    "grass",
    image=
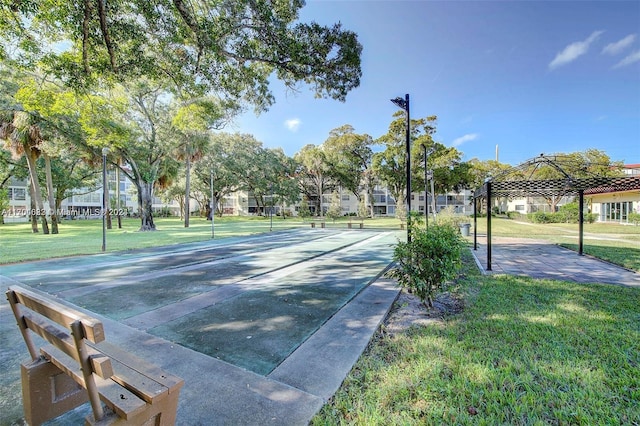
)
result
[(78, 237), (628, 257), (523, 352)]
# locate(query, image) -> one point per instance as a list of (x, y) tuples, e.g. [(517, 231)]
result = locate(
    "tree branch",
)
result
[(105, 34), (85, 35)]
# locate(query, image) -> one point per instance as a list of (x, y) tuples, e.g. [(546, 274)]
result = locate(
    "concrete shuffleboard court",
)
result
[(263, 328)]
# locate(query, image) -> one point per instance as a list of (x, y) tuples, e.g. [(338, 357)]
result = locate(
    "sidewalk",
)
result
[(542, 259)]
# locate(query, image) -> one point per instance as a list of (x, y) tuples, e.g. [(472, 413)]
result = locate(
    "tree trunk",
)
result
[(52, 204), (372, 201), (118, 197), (145, 204), (187, 211), (37, 193), (32, 206)]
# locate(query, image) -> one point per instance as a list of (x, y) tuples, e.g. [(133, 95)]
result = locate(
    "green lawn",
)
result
[(77, 237), (523, 352), (85, 236)]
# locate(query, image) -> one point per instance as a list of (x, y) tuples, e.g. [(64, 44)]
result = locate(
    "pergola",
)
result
[(515, 183)]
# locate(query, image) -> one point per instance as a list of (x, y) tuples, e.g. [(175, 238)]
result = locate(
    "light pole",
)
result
[(433, 195), (213, 206), (105, 151), (271, 211), (404, 104), (426, 187)]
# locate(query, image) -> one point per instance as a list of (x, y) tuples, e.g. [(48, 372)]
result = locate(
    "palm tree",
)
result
[(190, 151), (22, 137)]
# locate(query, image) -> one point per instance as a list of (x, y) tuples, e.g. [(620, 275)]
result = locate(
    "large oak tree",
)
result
[(228, 50)]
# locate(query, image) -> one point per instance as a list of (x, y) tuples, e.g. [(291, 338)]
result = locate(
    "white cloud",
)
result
[(620, 45), (466, 138), (630, 59), (293, 124), (574, 51)]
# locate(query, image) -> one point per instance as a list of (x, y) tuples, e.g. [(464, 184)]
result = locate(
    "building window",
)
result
[(519, 207), (615, 212), (17, 194), (345, 197)]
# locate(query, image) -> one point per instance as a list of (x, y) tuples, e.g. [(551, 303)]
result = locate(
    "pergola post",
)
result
[(488, 226), (475, 223), (580, 221)]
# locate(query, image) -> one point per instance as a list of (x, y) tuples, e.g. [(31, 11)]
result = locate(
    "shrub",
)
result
[(634, 218), (304, 211), (541, 217), (448, 216), (432, 258), (513, 215)]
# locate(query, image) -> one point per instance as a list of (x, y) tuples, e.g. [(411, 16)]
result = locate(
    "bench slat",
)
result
[(144, 368), (100, 364), (59, 312), (120, 400)]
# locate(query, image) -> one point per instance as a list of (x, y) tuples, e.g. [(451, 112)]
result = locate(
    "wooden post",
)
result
[(87, 371)]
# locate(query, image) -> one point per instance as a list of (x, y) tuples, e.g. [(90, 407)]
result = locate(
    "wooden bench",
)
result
[(358, 221), (319, 221), (75, 364)]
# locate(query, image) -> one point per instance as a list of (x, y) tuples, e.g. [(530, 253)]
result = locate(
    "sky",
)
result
[(529, 77)]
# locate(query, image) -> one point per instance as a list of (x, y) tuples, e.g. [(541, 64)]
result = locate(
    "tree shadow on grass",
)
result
[(525, 351)]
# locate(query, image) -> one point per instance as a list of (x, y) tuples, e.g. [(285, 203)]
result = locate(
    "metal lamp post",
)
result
[(271, 210), (426, 188), (105, 151), (213, 206), (404, 104)]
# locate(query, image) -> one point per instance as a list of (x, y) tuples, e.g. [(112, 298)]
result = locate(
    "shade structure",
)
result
[(520, 181)]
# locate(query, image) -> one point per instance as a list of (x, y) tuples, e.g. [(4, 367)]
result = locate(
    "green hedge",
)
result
[(560, 217)]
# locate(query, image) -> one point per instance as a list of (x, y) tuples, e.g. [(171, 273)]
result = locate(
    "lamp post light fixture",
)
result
[(105, 151), (404, 104)]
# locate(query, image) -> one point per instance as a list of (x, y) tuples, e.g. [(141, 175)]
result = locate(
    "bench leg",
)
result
[(313, 225), (160, 413), (47, 392), (349, 225)]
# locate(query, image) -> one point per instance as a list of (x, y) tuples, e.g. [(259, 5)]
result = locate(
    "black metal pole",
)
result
[(105, 151), (426, 189), (404, 104), (475, 223), (408, 147), (213, 209), (488, 226), (581, 222)]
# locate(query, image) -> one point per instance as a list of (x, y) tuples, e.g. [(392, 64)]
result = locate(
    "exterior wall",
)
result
[(614, 207), (527, 205), (83, 204)]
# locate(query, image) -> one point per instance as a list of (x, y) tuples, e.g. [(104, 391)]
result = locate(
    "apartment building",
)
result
[(86, 204)]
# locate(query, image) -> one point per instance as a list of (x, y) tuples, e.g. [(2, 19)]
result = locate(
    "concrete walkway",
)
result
[(542, 259)]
